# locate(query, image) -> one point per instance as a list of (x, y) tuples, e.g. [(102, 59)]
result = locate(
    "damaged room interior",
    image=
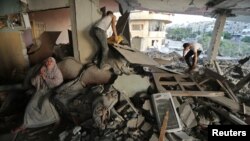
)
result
[(123, 70)]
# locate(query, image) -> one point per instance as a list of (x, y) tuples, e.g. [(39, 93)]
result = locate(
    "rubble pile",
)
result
[(173, 56), (235, 72), (71, 101), (164, 59)]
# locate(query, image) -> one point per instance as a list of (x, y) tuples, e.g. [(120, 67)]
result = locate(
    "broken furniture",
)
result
[(222, 82), (181, 85)]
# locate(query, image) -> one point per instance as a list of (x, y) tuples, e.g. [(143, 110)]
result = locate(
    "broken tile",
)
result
[(123, 81)]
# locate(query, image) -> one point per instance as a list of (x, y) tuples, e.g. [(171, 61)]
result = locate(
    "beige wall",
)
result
[(139, 33), (83, 15), (13, 55), (55, 20), (146, 35)]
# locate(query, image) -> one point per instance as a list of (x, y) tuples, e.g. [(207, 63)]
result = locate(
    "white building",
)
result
[(148, 29)]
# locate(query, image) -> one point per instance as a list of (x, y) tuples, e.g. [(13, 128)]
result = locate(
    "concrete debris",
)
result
[(63, 135), (102, 108), (187, 115), (132, 123), (182, 136), (146, 127), (154, 137), (147, 106), (73, 101)]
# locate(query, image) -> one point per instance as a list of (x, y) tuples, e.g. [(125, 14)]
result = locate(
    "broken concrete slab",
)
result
[(135, 122), (134, 56), (132, 123), (122, 83), (187, 115)]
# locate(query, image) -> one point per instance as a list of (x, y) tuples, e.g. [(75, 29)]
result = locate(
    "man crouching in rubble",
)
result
[(100, 29), (191, 51)]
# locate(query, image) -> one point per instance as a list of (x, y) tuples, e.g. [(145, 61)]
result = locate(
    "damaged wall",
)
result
[(46, 4), (13, 55), (55, 20)]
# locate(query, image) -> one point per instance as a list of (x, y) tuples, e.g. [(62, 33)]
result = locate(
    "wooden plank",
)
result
[(241, 83), (177, 80), (129, 102), (224, 88), (231, 93), (173, 79), (230, 104), (163, 127), (204, 81), (197, 93), (178, 83), (217, 66), (214, 75), (197, 85), (223, 81), (124, 47), (169, 70)]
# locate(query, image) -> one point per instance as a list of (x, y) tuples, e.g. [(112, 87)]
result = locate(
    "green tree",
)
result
[(227, 35), (230, 48), (246, 39), (179, 33), (204, 40)]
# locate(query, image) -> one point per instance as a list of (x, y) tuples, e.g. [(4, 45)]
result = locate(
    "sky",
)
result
[(182, 19)]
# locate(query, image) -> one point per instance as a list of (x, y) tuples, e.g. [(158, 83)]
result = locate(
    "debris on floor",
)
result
[(73, 101)]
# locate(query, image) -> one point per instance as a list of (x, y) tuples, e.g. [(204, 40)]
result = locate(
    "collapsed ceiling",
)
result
[(237, 9)]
